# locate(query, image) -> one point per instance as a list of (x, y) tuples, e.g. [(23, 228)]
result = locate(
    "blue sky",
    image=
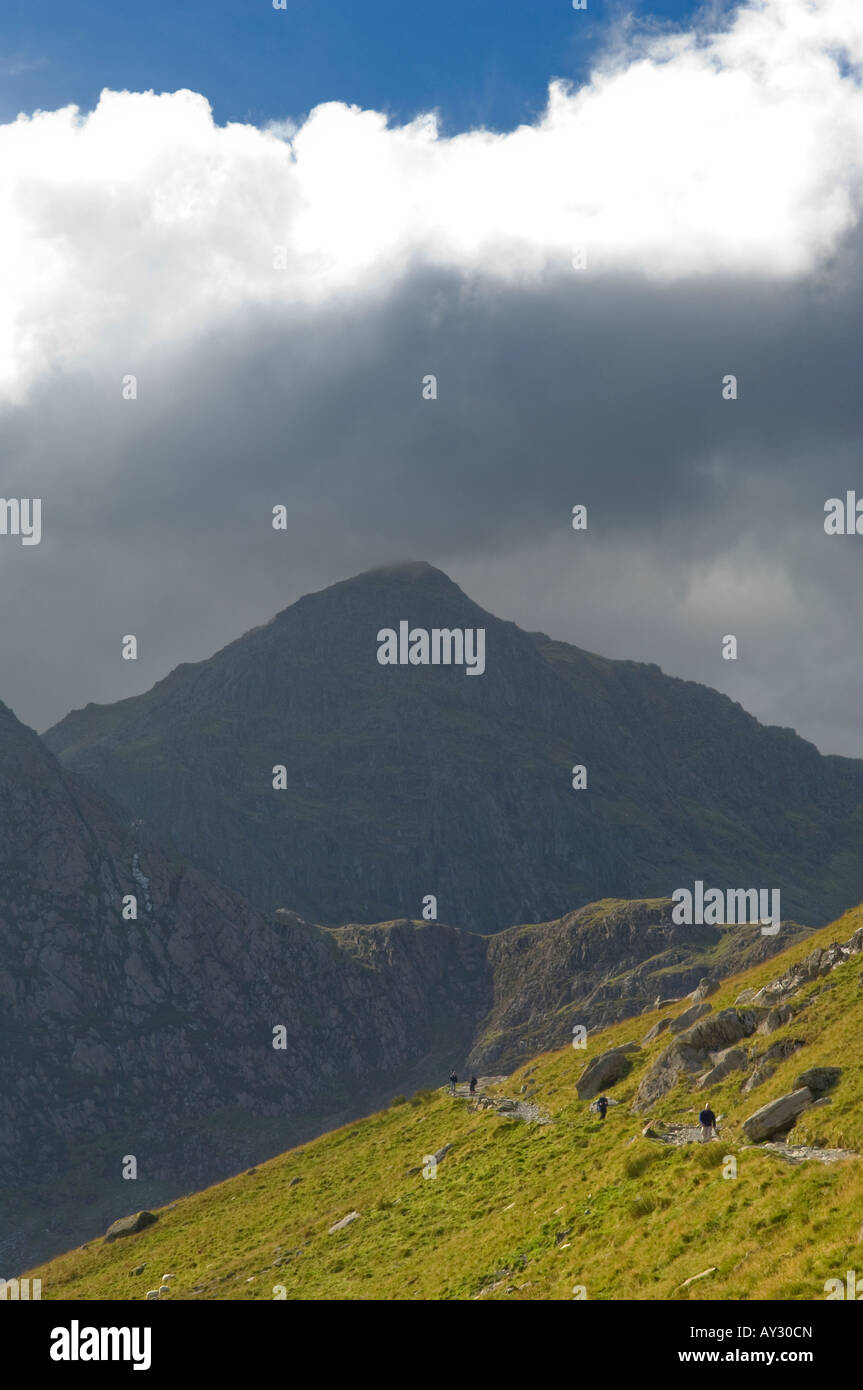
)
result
[(479, 62)]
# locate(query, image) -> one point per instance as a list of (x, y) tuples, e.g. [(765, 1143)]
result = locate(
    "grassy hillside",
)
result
[(529, 1211)]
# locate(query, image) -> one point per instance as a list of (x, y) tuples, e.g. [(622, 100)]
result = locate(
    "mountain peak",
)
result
[(407, 569), (400, 780), (408, 572), (401, 578)]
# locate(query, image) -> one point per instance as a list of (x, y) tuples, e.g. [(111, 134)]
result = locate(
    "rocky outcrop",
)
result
[(690, 1016), (778, 1116), (777, 1018), (692, 1049), (766, 1062), (593, 967), (732, 1059), (704, 988), (820, 962), (655, 1031)]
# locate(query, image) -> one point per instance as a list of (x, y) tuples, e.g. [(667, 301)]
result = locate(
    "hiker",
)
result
[(473, 1085), (707, 1120), (602, 1106), (452, 1083)]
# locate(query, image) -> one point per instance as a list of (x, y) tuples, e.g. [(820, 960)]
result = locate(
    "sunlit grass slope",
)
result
[(524, 1211)]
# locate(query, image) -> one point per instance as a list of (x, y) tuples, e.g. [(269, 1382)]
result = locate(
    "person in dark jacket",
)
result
[(602, 1106), (473, 1085), (707, 1120), (452, 1083)]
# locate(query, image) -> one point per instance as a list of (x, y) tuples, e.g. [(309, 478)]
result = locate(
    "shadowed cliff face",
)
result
[(153, 1038), (406, 780)]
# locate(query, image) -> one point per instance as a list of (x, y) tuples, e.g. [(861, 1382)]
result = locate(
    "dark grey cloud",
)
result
[(706, 516)]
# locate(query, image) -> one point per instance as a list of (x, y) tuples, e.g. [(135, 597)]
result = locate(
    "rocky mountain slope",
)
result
[(412, 780), (153, 1038), (524, 1193)]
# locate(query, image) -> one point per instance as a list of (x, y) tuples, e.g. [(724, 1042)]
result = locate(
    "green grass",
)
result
[(533, 1210)]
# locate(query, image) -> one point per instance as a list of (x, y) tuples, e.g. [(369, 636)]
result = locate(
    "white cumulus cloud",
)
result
[(732, 152)]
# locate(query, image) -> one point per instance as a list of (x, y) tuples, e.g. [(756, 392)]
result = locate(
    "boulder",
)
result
[(345, 1221), (655, 1031), (703, 1275), (129, 1225), (778, 1116), (604, 1070), (746, 996), (721, 1030), (689, 1016), (819, 1079)]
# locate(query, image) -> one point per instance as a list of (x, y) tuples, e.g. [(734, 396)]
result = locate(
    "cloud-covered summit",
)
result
[(280, 294)]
